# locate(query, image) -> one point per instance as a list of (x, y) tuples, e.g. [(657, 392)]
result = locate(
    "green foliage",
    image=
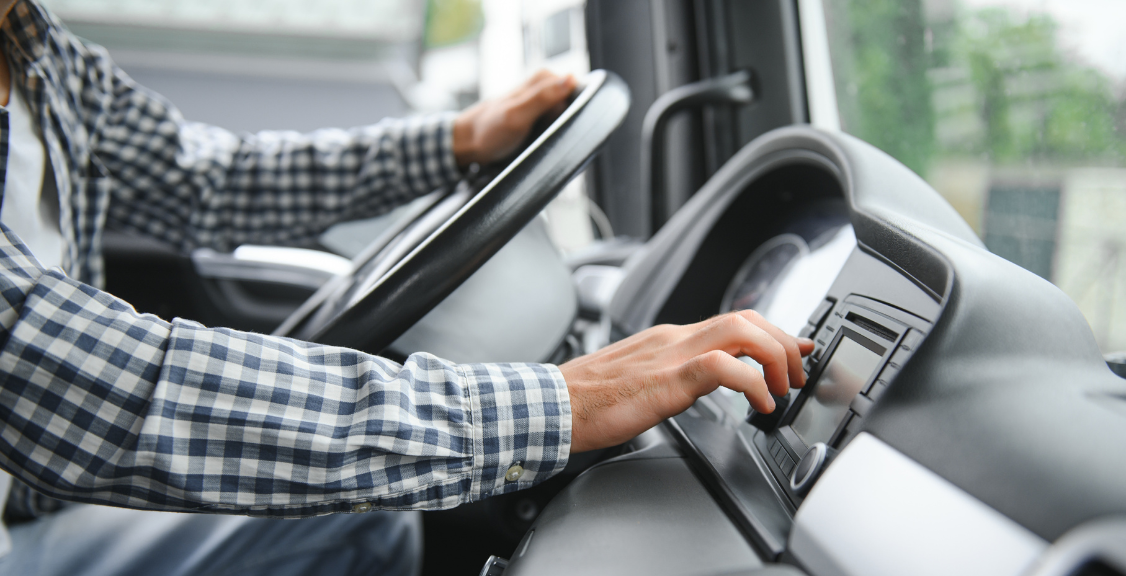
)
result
[(1068, 112), (891, 107), (1081, 120), (452, 22), (1007, 91)]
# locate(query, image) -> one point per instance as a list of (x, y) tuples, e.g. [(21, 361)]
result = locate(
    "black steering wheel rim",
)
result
[(459, 247)]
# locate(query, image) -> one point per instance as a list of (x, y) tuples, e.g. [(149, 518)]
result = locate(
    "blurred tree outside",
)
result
[(884, 75), (449, 66), (1026, 141), (902, 76), (450, 22), (1034, 103)]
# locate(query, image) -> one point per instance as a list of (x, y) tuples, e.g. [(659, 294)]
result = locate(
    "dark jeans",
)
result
[(83, 540)]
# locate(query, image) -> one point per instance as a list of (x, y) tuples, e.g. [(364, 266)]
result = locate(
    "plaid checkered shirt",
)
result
[(101, 404)]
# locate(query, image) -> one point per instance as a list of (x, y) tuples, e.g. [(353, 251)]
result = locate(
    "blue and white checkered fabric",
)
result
[(101, 404), (125, 157)]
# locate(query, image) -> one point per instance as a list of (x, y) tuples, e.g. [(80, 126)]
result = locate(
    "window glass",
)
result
[(1014, 110), (557, 33)]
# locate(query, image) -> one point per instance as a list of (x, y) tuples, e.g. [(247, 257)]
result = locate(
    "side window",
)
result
[(1014, 110)]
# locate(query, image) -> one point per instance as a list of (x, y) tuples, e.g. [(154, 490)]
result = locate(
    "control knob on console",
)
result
[(812, 463)]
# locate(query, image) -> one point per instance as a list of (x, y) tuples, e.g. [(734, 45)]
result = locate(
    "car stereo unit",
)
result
[(860, 346)]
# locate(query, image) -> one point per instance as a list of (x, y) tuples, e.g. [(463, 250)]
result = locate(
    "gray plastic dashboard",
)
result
[(991, 395)]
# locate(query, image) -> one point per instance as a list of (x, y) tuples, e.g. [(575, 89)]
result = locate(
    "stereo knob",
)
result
[(812, 463)]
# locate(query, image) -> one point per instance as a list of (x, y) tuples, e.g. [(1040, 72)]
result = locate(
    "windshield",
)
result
[(1014, 110)]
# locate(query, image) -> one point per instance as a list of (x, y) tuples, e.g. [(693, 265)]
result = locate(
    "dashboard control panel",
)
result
[(860, 346), (866, 328)]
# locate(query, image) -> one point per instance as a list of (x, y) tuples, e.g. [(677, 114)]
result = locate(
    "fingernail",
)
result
[(770, 404), (806, 341)]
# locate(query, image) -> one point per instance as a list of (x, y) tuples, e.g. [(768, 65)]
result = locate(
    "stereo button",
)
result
[(877, 390), (861, 405), (912, 340), (787, 465), (821, 312), (899, 359)]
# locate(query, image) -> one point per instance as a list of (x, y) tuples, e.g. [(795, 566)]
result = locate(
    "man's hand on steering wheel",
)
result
[(493, 129), (630, 386)]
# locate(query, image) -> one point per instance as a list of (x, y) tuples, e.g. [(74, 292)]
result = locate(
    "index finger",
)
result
[(795, 347)]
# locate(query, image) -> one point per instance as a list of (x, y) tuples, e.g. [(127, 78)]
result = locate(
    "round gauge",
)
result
[(757, 280)]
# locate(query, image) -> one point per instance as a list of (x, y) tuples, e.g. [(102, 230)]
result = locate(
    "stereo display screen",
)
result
[(850, 367)]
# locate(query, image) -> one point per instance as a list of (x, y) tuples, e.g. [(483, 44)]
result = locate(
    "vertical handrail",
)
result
[(734, 88)]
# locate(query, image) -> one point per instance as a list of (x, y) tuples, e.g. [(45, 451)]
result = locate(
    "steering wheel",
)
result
[(448, 235)]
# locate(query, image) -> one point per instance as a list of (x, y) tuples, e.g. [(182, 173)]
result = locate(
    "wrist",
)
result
[(465, 150), (580, 417)]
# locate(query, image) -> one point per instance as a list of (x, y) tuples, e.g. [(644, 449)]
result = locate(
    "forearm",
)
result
[(209, 187), (100, 404)]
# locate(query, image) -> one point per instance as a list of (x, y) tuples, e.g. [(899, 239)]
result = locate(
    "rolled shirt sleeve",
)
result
[(101, 404)]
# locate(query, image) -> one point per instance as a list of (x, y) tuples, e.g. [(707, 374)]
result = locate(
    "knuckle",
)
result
[(714, 363), (701, 369), (733, 321), (713, 360), (691, 371)]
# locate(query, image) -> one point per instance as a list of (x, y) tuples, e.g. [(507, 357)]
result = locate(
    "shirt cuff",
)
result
[(522, 425), (427, 145), (450, 171)]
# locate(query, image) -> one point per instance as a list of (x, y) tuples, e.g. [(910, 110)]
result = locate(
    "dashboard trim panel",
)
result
[(904, 519)]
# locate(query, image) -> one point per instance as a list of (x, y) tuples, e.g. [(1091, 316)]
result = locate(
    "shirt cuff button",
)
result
[(361, 507), (514, 473)]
